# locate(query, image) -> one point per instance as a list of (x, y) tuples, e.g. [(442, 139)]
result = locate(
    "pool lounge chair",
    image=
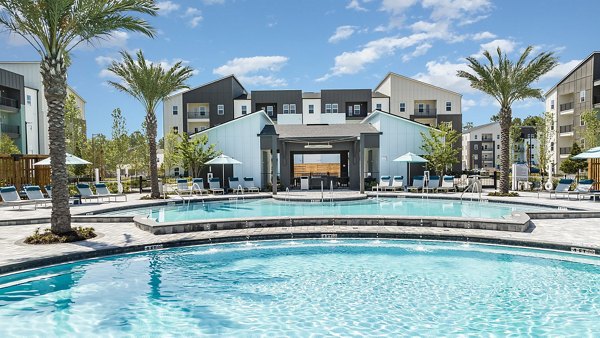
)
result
[(397, 184), (234, 185), (34, 193), (562, 187), (49, 193), (214, 186), (249, 184), (86, 192), (583, 188), (198, 185), (102, 190), (447, 184), (417, 185), (384, 182), (11, 197), (433, 184), (182, 185)]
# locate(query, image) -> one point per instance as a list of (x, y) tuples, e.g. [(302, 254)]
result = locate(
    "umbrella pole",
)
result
[(223, 177)]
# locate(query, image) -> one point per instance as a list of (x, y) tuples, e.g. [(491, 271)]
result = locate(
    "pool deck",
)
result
[(126, 237)]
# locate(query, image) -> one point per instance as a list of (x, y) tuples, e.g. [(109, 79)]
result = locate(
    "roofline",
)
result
[(414, 80), (479, 127), (206, 84), (396, 116), (76, 94), (571, 72), (234, 120)]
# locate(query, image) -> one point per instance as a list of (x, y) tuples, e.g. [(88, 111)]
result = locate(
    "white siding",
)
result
[(384, 101), (314, 118), (339, 118), (170, 120), (553, 154), (31, 121), (237, 107)]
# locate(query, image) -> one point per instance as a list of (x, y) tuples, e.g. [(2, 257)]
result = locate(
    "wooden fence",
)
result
[(18, 170), (332, 169), (594, 172)]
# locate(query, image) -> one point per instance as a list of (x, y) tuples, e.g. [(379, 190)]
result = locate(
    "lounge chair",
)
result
[(86, 192), (562, 187), (49, 193), (249, 184), (214, 186), (198, 185), (397, 184), (583, 188), (447, 184), (234, 185), (433, 184), (182, 185), (11, 197), (34, 193), (417, 185), (384, 182), (102, 190)]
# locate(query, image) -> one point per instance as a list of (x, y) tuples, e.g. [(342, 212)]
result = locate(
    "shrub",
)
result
[(48, 237), (499, 194)]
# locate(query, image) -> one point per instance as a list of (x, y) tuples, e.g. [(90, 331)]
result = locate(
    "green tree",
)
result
[(118, 154), (467, 126), (543, 136), (193, 152), (171, 156), (516, 138), (74, 133), (53, 28), (140, 156), (149, 83), (571, 165), (591, 132), (533, 121), (7, 145), (441, 149), (508, 82)]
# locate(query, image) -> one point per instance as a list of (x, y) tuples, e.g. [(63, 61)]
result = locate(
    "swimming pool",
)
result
[(367, 207), (322, 287)]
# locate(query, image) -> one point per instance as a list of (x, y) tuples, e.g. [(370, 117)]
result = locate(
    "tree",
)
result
[(53, 28), (74, 133), (467, 126), (515, 137), (138, 147), (193, 153), (591, 132), (508, 82), (440, 146), (171, 157), (543, 136), (7, 145), (118, 154), (149, 83), (571, 165)]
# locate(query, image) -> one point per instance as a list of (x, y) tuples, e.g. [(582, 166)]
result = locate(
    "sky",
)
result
[(326, 44)]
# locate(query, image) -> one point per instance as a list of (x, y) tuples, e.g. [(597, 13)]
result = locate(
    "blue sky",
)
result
[(321, 44)]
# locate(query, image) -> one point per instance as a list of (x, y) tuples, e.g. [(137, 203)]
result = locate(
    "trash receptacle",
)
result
[(303, 182)]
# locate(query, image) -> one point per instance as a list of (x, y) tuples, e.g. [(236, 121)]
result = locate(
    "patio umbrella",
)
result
[(590, 153), (71, 160), (410, 158), (223, 160)]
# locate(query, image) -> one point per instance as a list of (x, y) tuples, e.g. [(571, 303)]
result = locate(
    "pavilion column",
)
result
[(361, 163), (274, 164)]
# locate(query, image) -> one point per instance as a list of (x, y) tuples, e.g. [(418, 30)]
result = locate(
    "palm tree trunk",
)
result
[(505, 116), (54, 76), (151, 134)]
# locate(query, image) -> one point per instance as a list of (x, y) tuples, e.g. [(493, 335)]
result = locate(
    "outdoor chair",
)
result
[(417, 185), (234, 185), (249, 184), (198, 185), (214, 186), (11, 197), (562, 187), (182, 185), (384, 182), (447, 184), (583, 188), (34, 193), (102, 190), (86, 192), (397, 184), (433, 184), (49, 193)]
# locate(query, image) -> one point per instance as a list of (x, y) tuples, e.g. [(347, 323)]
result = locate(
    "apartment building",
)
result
[(481, 147), (23, 107), (577, 92)]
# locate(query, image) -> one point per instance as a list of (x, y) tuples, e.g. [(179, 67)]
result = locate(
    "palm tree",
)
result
[(53, 28), (507, 82), (149, 83)]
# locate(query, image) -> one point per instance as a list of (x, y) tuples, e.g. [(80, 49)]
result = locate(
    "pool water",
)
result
[(368, 207), (321, 287)]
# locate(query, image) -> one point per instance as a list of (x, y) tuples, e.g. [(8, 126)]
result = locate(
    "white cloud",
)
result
[(248, 69), (166, 7), (194, 15), (342, 33), (507, 46), (396, 6), (561, 70), (261, 80), (355, 5), (443, 74), (213, 2), (420, 50), (117, 39), (483, 36), (102, 60), (456, 9), (468, 104)]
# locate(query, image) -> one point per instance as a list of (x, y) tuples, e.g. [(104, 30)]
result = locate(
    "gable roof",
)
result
[(571, 72), (207, 84), (416, 81), (241, 118), (377, 111), (480, 127)]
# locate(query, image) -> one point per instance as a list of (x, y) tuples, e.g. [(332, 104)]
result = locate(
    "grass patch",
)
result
[(48, 237), (500, 194), (148, 197)]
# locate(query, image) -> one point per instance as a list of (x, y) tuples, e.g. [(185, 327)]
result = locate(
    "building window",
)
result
[(581, 121), (475, 147), (292, 108), (498, 146), (175, 108), (552, 126), (421, 108), (270, 110), (582, 96), (378, 106), (334, 108), (220, 109), (475, 157), (475, 136), (29, 100), (328, 108), (448, 106), (311, 108), (402, 107), (202, 110), (551, 146), (498, 137), (195, 129), (176, 171), (175, 129), (286, 108), (357, 109), (552, 104), (582, 143), (244, 110)]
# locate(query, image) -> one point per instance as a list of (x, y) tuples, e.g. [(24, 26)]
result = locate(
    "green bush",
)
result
[(500, 194), (48, 237)]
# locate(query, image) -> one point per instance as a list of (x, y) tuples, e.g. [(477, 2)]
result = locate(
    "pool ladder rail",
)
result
[(475, 187)]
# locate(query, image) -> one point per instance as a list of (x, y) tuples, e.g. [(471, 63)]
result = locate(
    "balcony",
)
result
[(566, 131), (566, 108), (10, 130), (425, 112), (197, 115), (9, 105)]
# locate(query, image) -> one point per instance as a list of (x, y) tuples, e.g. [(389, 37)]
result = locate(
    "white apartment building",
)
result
[(481, 147)]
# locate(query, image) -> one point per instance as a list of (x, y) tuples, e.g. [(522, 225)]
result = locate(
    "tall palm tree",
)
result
[(53, 28), (507, 82), (149, 83)]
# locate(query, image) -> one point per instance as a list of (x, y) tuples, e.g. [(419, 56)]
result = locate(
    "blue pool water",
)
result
[(298, 288), (271, 207)]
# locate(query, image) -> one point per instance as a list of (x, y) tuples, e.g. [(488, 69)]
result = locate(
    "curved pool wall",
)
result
[(325, 287)]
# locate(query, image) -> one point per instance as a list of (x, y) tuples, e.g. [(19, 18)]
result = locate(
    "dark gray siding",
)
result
[(475, 162), (348, 97), (596, 66), (276, 98), (456, 120), (13, 86)]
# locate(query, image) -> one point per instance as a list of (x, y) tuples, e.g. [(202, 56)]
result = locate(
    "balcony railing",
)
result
[(565, 150), (9, 129), (566, 129), (566, 106), (197, 115), (6, 101), (425, 112)]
